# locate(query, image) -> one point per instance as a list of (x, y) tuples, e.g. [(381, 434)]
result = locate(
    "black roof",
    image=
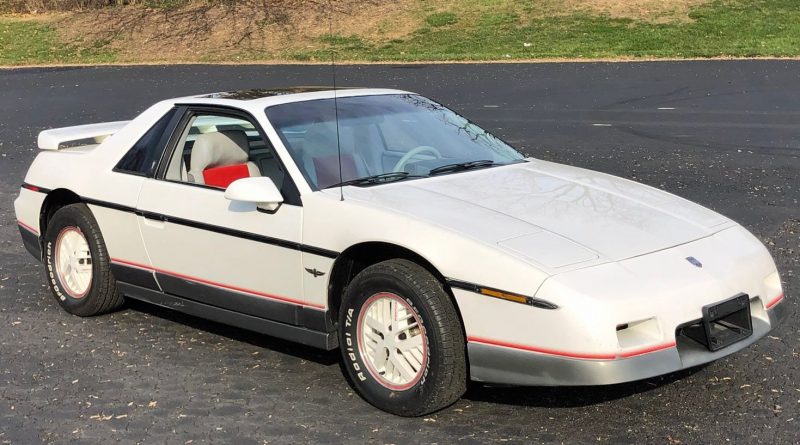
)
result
[(259, 93)]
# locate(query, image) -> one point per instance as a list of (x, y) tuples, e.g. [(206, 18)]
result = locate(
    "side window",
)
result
[(216, 149), (142, 158)]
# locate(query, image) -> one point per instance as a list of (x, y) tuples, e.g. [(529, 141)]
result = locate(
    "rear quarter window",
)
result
[(142, 159)]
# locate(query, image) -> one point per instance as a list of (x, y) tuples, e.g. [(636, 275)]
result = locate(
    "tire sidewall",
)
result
[(356, 295), (69, 217)]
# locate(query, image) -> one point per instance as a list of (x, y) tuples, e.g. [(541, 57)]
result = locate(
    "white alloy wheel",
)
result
[(73, 261), (392, 341)]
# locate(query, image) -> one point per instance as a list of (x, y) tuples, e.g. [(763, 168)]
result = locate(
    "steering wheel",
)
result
[(401, 164)]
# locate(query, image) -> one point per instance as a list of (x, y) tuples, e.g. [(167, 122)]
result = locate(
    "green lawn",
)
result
[(489, 30), (26, 42), (742, 28)]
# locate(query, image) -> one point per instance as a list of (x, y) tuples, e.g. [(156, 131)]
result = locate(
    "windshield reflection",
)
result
[(382, 134)]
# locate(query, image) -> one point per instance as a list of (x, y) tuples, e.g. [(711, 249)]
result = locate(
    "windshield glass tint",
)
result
[(381, 134)]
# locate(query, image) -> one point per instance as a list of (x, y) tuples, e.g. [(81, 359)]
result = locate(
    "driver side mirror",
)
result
[(258, 190)]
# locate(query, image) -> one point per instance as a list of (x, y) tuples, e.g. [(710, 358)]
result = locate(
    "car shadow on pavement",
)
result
[(540, 396), (569, 396), (326, 358)]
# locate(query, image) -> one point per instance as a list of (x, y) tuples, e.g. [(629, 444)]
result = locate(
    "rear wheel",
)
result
[(402, 343), (77, 263)]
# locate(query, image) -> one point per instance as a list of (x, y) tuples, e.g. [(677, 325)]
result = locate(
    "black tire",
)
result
[(443, 376), (102, 295)]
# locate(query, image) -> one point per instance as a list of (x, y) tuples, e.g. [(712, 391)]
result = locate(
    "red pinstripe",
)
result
[(774, 301), (647, 350), (541, 350), (28, 228), (578, 355)]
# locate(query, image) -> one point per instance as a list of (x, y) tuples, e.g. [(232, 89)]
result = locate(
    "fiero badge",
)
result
[(694, 261)]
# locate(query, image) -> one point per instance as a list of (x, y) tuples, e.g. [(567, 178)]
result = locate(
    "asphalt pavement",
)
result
[(723, 133)]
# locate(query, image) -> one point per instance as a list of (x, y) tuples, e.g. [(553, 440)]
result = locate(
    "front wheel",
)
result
[(402, 343)]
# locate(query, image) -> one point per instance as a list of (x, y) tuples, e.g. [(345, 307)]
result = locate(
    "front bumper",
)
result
[(507, 365)]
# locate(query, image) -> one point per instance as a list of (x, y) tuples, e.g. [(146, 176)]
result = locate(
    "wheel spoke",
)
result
[(413, 361), (410, 326), (388, 314), (410, 343), (85, 277), (375, 325), (68, 245), (408, 315), (373, 336), (402, 367)]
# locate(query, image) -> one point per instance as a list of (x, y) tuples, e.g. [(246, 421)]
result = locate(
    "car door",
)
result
[(206, 248)]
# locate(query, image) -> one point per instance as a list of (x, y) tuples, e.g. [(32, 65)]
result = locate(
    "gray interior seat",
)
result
[(218, 149)]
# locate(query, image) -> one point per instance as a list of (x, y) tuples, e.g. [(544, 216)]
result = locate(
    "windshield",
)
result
[(404, 134)]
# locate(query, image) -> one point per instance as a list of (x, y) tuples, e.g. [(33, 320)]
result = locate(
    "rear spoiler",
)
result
[(53, 139)]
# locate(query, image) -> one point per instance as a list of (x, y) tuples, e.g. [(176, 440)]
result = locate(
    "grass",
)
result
[(476, 30), (438, 19), (26, 42), (741, 28)]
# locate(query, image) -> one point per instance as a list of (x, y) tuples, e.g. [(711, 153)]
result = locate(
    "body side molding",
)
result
[(249, 302), (319, 251), (309, 337)]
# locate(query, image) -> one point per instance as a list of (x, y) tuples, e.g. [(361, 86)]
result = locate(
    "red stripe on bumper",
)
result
[(775, 301), (27, 227), (220, 285), (568, 354), (487, 341), (642, 351)]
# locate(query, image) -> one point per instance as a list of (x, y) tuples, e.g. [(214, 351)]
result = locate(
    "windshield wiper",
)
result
[(377, 179), (459, 166)]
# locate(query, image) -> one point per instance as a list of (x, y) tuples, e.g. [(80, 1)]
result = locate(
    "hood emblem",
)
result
[(694, 261)]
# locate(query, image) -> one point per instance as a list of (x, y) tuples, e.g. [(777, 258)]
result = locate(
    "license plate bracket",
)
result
[(723, 323)]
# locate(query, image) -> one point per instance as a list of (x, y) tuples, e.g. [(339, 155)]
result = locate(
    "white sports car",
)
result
[(381, 223)]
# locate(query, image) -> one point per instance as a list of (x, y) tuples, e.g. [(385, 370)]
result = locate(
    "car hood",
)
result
[(551, 214)]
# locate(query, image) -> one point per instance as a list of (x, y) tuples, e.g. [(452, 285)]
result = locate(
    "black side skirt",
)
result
[(323, 340), (132, 275), (31, 242)]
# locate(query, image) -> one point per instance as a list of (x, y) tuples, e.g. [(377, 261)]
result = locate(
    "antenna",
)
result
[(335, 99)]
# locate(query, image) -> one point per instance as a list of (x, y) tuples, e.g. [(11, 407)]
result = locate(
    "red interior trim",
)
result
[(327, 168), (28, 228), (214, 283), (223, 176), (647, 350), (542, 350), (775, 301)]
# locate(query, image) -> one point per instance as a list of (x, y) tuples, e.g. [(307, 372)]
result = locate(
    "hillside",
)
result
[(154, 31)]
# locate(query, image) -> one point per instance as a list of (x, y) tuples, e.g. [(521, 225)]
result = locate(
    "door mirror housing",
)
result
[(258, 190)]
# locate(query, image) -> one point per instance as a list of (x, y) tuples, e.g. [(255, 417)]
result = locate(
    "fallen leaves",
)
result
[(101, 417)]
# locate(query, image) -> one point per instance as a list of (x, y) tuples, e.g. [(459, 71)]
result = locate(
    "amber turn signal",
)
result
[(505, 296)]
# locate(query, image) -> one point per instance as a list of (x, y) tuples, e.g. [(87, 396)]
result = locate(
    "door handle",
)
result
[(154, 223), (153, 219)]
